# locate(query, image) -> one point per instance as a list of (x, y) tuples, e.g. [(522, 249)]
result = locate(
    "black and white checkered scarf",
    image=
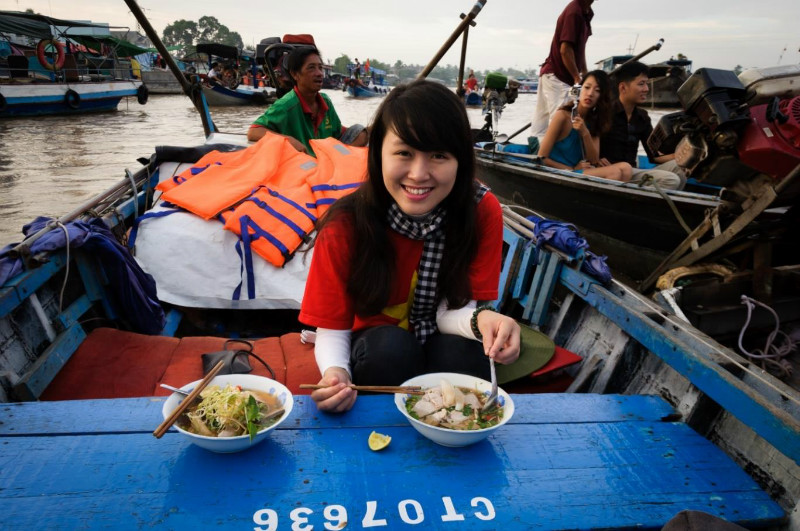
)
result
[(430, 229)]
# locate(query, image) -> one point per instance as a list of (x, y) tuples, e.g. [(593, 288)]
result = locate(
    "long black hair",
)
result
[(427, 116), (598, 121)]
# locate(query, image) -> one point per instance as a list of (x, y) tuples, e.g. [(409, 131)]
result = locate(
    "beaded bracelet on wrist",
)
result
[(473, 322)]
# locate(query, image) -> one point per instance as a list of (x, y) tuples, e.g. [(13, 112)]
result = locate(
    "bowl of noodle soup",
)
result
[(456, 422), (231, 390)]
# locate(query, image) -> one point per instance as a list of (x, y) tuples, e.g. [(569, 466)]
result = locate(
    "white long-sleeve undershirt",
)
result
[(332, 347)]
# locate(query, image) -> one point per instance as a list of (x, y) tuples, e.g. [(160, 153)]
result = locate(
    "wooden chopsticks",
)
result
[(411, 390), (169, 421)]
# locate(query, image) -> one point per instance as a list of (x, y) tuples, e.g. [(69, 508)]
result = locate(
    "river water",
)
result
[(51, 165)]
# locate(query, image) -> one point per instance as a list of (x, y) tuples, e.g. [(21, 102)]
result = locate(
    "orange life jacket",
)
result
[(269, 194), (274, 221)]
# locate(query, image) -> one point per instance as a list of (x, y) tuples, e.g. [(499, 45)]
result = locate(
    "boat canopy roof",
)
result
[(220, 50), (609, 63), (37, 26), (121, 47)]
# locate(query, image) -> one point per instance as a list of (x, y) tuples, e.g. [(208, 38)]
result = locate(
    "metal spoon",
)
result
[(493, 395), (175, 389)]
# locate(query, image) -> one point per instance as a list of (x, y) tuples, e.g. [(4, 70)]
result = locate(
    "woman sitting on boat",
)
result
[(572, 140), (305, 113), (472, 82), (400, 264)]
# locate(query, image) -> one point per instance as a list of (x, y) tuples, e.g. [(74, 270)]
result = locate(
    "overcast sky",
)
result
[(509, 33)]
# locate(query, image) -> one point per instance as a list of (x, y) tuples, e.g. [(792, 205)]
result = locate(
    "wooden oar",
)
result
[(169, 421), (411, 390)]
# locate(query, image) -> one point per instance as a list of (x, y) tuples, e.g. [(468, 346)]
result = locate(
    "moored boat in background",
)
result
[(528, 85), (473, 99), (229, 90), (665, 78), (90, 70)]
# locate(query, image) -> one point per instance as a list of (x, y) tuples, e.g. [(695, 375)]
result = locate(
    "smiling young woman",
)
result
[(400, 265)]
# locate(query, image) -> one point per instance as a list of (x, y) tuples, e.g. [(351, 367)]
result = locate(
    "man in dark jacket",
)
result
[(630, 126)]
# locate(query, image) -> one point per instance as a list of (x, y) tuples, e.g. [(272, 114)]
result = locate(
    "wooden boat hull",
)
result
[(635, 227), (161, 82), (630, 347), (219, 96), (367, 92), (34, 99), (704, 393), (553, 442), (528, 86), (664, 91), (473, 99)]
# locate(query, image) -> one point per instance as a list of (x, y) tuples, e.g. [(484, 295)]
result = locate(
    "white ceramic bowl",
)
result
[(242, 442), (445, 436)]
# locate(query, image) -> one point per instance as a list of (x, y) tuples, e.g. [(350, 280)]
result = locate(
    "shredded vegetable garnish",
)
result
[(226, 412)]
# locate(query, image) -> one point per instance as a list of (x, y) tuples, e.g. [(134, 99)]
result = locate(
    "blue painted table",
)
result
[(564, 461)]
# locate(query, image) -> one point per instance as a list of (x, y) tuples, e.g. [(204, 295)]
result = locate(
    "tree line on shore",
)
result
[(187, 33)]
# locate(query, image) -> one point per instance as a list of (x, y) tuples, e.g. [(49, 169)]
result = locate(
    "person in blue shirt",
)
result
[(572, 140)]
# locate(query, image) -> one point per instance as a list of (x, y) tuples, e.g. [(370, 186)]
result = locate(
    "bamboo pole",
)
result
[(465, 22), (208, 125)]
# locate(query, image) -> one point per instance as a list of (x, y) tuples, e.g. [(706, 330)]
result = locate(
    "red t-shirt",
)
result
[(326, 303), (573, 26)]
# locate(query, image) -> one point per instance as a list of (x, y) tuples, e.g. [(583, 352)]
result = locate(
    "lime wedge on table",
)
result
[(378, 441)]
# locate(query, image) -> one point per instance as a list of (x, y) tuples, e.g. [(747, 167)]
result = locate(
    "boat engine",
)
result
[(498, 91), (735, 136)]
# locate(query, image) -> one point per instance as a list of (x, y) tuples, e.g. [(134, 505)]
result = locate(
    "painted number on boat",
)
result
[(408, 511)]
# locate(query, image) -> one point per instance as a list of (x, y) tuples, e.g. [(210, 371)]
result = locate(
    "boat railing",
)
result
[(529, 281), (23, 72)]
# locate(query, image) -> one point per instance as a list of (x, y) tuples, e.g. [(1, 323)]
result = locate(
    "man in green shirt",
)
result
[(305, 113)]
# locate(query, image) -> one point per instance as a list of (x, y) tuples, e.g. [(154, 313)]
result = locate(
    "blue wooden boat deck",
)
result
[(565, 461)]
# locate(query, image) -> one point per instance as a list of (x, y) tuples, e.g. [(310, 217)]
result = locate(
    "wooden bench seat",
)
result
[(112, 363)]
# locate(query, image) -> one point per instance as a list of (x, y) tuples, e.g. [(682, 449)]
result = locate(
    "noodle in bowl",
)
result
[(447, 436), (246, 382)]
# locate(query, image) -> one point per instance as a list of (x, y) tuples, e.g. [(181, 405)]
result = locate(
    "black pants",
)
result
[(390, 355)]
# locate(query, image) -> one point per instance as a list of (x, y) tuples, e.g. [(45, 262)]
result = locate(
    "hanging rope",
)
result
[(771, 355), (66, 267), (649, 180)]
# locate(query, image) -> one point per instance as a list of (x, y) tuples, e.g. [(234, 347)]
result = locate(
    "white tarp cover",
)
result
[(195, 264)]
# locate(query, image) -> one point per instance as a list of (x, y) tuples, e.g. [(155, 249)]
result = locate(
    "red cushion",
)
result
[(561, 358), (112, 363), (548, 379), (186, 364), (301, 365)]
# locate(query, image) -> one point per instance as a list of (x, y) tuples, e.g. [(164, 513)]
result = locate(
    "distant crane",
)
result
[(781, 56), (632, 48)]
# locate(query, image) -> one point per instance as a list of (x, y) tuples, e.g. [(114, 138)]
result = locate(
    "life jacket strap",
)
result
[(245, 224)]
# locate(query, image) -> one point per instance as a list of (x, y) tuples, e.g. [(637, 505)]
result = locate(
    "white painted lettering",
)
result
[(450, 515), (299, 518), (336, 516), (369, 518), (265, 517), (489, 514)]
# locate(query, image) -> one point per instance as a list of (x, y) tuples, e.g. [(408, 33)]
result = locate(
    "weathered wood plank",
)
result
[(545, 476), (775, 425), (28, 282), (144, 414), (33, 383)]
